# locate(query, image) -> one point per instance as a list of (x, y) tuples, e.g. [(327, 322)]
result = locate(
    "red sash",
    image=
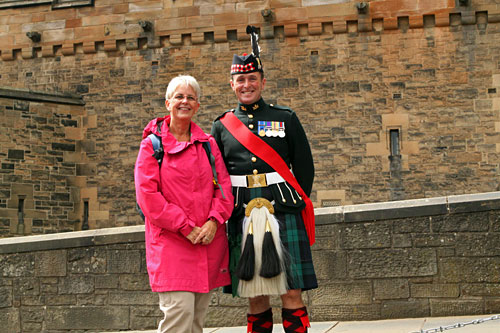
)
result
[(258, 147)]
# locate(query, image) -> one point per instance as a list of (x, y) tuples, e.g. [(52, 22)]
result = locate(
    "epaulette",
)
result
[(232, 110), (280, 107)]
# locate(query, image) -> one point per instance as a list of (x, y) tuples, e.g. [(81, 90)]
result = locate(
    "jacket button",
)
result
[(250, 126), (250, 116), (255, 171), (254, 159)]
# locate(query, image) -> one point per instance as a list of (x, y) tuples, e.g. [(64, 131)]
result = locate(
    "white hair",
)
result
[(180, 80)]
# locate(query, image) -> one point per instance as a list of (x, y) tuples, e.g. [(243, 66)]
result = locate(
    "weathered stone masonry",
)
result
[(427, 72), (417, 258)]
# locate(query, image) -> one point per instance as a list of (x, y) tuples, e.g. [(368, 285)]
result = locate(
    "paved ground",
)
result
[(417, 325)]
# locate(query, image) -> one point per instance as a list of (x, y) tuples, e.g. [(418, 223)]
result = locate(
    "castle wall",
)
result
[(400, 259), (424, 73)]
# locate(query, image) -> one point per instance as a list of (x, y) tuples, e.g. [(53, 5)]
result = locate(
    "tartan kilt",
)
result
[(300, 269)]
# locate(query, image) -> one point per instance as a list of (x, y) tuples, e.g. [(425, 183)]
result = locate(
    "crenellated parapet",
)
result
[(89, 27)]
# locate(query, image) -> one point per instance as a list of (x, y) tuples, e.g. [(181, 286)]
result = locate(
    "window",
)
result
[(85, 222), (20, 215), (394, 142)]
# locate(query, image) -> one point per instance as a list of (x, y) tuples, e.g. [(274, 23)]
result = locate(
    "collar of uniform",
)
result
[(252, 108)]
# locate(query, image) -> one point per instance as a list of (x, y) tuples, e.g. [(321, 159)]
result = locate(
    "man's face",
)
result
[(248, 87)]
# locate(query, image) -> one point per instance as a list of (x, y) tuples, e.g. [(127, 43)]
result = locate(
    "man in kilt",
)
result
[(269, 246)]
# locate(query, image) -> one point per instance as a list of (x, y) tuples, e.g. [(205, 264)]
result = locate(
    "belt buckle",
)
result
[(256, 180)]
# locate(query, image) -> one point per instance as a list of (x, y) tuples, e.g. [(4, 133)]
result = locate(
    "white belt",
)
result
[(256, 180)]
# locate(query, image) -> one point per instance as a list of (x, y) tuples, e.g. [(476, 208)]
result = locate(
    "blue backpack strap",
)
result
[(157, 147), (158, 155), (211, 159)]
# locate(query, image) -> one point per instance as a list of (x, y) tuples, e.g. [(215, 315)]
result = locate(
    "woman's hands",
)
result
[(203, 235)]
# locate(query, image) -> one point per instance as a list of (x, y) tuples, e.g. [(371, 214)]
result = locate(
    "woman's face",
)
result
[(183, 104)]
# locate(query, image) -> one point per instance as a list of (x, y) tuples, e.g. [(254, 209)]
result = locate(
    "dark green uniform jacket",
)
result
[(280, 128)]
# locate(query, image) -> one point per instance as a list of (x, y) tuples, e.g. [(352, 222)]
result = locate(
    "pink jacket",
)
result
[(175, 199)]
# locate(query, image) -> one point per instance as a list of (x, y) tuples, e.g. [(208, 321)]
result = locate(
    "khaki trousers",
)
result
[(184, 311)]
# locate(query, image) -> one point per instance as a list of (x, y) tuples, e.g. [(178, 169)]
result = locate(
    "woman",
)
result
[(186, 243)]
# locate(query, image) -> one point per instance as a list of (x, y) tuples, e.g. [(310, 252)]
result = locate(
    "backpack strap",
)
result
[(157, 144), (157, 147), (211, 158)]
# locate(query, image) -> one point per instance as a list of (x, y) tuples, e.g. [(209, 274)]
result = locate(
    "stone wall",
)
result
[(46, 179), (426, 71), (429, 257)]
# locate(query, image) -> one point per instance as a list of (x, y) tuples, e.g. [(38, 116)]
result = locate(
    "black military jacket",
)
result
[(280, 128)]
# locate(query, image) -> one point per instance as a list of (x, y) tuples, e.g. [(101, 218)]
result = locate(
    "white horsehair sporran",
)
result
[(260, 224)]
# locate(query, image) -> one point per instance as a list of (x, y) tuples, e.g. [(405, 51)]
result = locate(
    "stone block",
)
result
[(443, 308), (229, 19), (122, 261), (51, 263), (390, 23), (17, 265), (7, 55), (442, 19), (10, 319), (480, 289), (110, 45), (197, 38), (145, 317), (315, 28), (134, 282), (330, 264), (342, 294), (233, 316), (492, 306), (54, 299), (68, 49), (109, 281), (413, 225), (345, 312), (405, 309), (416, 21), (27, 52), (364, 25), (175, 39), (401, 240), (193, 22), (469, 270), (468, 17), (386, 263), (431, 290), (482, 245), (5, 296), (77, 318), (461, 222), (434, 240), (390, 289), (133, 298), (85, 260), (366, 235), (26, 286), (79, 284), (339, 26), (291, 30)]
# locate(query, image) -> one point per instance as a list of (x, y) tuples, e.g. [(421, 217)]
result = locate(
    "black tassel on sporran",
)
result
[(246, 266), (271, 266)]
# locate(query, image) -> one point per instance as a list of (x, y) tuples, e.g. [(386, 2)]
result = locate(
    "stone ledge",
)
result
[(408, 208), (30, 95), (72, 239), (343, 214)]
